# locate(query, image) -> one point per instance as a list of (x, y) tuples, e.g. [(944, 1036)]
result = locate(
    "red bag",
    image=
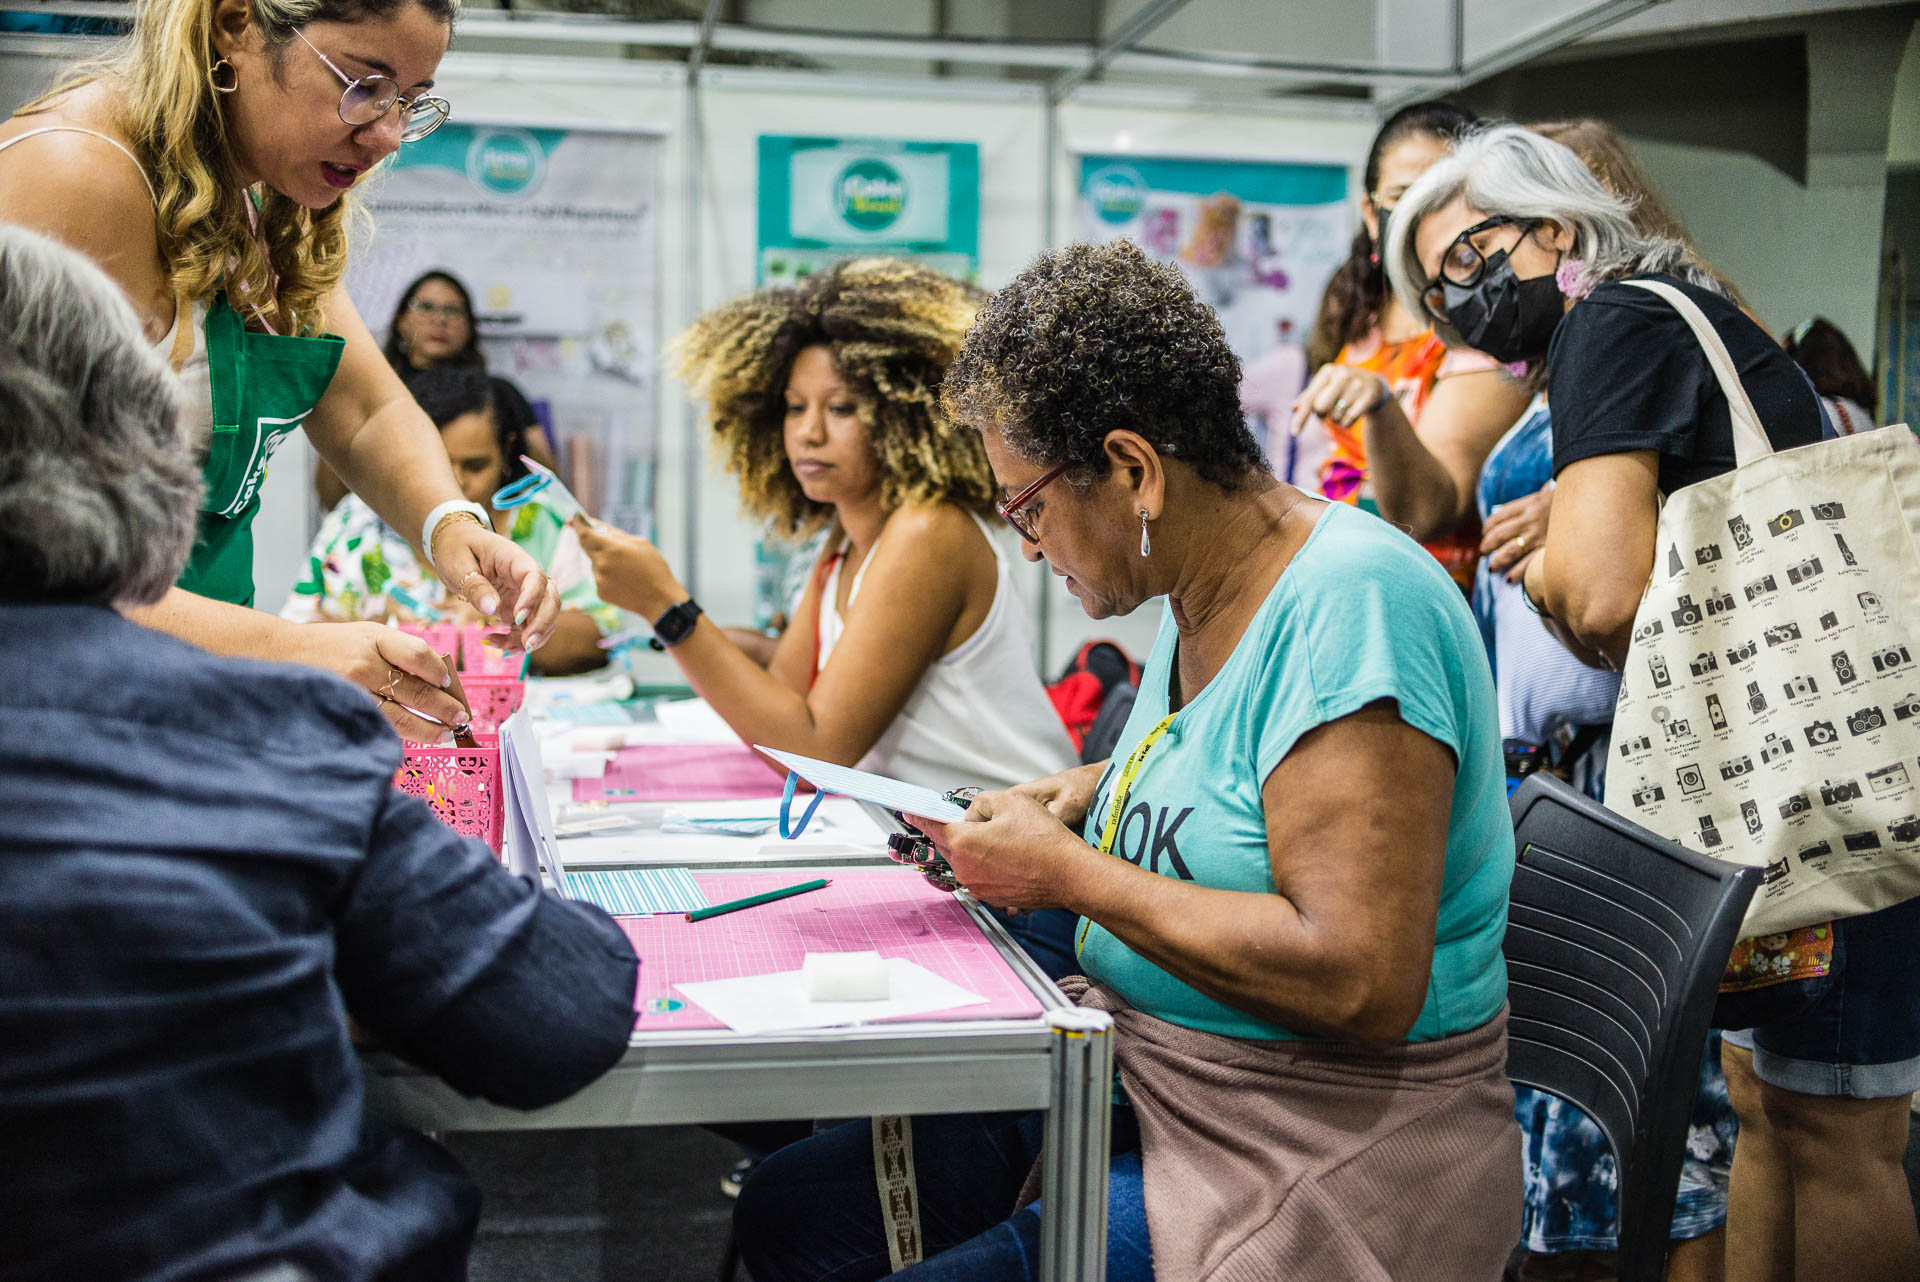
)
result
[(1082, 689)]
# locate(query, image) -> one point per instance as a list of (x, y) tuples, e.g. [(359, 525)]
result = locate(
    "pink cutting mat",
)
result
[(682, 772), (892, 911)]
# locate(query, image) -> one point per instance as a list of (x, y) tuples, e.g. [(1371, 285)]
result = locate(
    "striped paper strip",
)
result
[(638, 892)]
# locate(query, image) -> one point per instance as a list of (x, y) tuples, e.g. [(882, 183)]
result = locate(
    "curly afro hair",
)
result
[(1094, 338), (893, 328)]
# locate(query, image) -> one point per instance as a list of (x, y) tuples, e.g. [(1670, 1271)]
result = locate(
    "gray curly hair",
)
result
[(98, 488), (1505, 169)]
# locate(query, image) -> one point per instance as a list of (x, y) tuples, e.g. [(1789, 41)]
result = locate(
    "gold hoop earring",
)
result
[(213, 77)]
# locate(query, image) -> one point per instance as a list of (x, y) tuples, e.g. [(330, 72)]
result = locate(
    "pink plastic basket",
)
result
[(486, 660), (462, 785), (443, 637), (493, 699)]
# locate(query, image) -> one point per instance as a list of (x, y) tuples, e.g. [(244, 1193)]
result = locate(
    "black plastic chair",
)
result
[(1616, 941), (1104, 733)]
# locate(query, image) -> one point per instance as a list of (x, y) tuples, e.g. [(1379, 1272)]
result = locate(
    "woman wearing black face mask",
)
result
[(1512, 244)]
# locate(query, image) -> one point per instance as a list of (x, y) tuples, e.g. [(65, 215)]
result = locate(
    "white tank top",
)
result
[(187, 354), (980, 716)]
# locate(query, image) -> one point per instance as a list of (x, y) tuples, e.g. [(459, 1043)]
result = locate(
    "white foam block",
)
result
[(844, 977)]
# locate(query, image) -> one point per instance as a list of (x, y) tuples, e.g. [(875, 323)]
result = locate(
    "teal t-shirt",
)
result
[(1362, 614)]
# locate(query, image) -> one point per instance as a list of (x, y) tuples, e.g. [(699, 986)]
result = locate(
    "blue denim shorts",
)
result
[(1852, 1032)]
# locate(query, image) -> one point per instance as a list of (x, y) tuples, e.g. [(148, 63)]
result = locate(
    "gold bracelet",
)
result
[(432, 559)]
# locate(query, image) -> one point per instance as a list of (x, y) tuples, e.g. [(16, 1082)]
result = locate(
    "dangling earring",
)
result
[(213, 77), (1146, 543)]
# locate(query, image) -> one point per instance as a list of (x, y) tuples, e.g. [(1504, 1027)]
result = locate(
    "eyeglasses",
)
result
[(1463, 264), (1014, 509), (451, 311), (368, 98)]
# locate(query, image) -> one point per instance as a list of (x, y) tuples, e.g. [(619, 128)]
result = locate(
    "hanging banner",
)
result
[(1257, 239), (555, 233), (824, 199)]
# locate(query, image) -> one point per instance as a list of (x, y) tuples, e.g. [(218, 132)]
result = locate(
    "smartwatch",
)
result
[(675, 626)]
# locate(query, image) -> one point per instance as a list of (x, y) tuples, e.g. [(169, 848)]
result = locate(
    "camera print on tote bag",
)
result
[(1770, 705)]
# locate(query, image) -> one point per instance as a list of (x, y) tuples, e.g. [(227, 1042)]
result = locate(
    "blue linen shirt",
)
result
[(204, 867), (1362, 614)]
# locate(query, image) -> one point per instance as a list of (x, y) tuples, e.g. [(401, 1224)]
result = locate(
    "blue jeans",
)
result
[(1853, 1032), (1046, 936), (812, 1210)]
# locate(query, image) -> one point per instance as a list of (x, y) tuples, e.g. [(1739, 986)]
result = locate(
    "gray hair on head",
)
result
[(1505, 169), (98, 488)]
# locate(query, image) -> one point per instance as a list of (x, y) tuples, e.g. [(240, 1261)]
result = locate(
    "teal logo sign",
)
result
[(871, 194), (505, 162), (1117, 194)]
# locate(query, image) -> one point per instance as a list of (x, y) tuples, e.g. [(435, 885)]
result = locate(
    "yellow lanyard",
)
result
[(1122, 786)]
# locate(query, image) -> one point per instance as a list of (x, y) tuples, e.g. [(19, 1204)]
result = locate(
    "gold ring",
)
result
[(393, 679), (1520, 541)]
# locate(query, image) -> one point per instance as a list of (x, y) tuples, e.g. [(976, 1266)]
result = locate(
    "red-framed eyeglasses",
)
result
[(1014, 509)]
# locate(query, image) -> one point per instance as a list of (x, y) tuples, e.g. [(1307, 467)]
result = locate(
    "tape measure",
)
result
[(1122, 787)]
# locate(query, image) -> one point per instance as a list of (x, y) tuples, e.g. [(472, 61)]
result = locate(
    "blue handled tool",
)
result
[(540, 486)]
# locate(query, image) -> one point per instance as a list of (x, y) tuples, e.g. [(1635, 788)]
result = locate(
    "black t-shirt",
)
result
[(1625, 373)]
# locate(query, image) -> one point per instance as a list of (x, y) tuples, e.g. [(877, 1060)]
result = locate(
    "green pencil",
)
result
[(766, 897)]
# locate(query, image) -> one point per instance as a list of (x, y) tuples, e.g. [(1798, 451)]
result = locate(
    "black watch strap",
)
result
[(675, 626)]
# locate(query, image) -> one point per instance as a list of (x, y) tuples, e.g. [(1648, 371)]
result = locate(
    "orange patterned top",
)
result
[(1412, 368)]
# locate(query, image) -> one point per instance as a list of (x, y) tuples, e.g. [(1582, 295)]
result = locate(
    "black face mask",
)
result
[(1507, 318)]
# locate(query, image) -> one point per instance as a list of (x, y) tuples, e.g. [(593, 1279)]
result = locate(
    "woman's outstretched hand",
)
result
[(498, 578), (400, 671), (628, 571)]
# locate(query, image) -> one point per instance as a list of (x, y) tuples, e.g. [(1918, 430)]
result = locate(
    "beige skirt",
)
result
[(1317, 1161)]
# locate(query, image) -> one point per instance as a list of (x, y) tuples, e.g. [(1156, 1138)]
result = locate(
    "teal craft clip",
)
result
[(540, 486)]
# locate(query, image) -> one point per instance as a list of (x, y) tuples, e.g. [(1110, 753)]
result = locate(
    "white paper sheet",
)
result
[(771, 1003), (692, 721), (530, 849), (845, 781)]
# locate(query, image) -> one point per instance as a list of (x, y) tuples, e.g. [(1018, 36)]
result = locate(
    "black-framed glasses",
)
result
[(1463, 264), (366, 99), (450, 311), (1015, 508)]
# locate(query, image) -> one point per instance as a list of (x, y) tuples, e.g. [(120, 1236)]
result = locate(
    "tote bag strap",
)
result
[(1750, 443)]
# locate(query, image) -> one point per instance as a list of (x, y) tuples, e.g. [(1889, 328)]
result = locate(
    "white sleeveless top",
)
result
[(189, 359), (980, 716)]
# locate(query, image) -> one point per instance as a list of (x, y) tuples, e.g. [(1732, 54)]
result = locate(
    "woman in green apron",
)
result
[(208, 167)]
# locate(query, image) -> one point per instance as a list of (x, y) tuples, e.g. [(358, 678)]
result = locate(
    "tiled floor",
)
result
[(599, 1206), (621, 1206)]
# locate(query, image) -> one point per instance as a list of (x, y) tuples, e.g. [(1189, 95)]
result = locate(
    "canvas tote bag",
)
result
[(1769, 708)]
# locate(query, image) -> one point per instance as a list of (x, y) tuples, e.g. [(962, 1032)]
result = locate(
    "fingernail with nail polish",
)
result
[(490, 605), (521, 618), (445, 740)]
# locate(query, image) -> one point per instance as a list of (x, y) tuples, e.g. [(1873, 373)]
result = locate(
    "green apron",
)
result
[(264, 386)]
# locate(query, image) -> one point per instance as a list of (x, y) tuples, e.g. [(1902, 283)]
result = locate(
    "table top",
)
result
[(692, 1075), (680, 1074)]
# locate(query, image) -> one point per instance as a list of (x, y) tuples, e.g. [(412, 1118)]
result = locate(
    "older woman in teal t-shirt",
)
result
[(1293, 871)]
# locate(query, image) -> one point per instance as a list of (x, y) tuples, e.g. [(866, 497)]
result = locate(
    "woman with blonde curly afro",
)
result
[(910, 652), (210, 168)]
